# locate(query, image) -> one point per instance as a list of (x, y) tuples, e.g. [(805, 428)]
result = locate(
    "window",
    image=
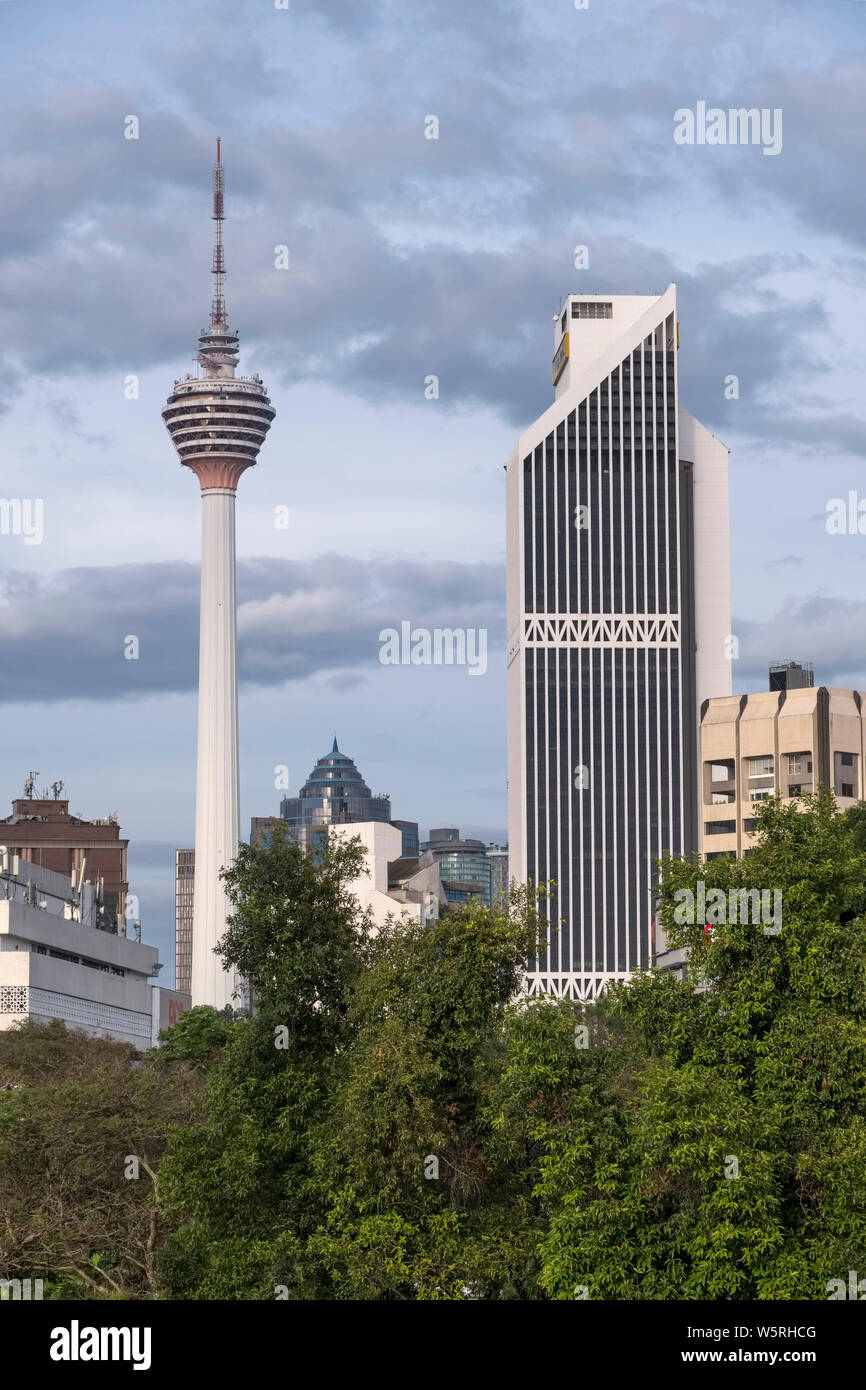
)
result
[(750, 825), (591, 311), (799, 763), (719, 782), (760, 793), (845, 780), (760, 767), (720, 827)]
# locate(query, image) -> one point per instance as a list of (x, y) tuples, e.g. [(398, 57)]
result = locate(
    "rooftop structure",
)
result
[(41, 831)]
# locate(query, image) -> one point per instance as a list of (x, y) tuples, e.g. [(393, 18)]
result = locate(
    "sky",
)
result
[(408, 257)]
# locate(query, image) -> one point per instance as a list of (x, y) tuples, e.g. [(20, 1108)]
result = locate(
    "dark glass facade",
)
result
[(464, 867), (335, 793), (608, 603)]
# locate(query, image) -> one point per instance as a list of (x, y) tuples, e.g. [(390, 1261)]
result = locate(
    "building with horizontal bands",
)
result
[(776, 743), (57, 961)]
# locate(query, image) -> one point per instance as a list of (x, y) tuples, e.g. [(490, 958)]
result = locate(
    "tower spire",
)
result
[(218, 302)]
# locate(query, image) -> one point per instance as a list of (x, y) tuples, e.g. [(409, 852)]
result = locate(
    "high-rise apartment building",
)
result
[(776, 743), (618, 627), (184, 879)]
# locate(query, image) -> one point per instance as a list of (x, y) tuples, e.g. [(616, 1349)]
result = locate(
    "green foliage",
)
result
[(197, 1036), (761, 1059), (72, 1110), (395, 1122)]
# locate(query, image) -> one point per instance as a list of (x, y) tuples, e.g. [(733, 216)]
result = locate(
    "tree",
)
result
[(246, 1182), (83, 1124), (350, 1150), (723, 1152)]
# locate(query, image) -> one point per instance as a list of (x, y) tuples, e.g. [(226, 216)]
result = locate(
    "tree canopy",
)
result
[(395, 1120)]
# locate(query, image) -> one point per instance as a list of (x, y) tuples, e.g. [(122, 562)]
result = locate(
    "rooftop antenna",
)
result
[(30, 784), (57, 788)]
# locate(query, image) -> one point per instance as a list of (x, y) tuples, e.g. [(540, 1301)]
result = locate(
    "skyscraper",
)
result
[(217, 423), (618, 627)]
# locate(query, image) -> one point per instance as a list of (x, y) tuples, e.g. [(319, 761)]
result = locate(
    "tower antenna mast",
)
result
[(218, 302)]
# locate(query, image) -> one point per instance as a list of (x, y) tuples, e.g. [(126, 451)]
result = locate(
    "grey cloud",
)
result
[(830, 632), (409, 257), (294, 620)]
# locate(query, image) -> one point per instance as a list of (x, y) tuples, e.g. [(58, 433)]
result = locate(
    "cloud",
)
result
[(64, 636), (829, 632), (412, 257)]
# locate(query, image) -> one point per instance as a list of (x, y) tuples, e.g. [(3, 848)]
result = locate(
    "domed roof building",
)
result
[(335, 793)]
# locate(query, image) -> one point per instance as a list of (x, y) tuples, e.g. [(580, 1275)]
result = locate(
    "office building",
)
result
[(463, 865), (59, 959), (618, 577), (217, 422), (776, 743), (409, 830), (41, 831), (335, 793)]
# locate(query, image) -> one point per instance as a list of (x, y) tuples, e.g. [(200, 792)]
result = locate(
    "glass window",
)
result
[(799, 763), (761, 766)]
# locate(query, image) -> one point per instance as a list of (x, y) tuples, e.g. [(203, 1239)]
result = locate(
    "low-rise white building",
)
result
[(56, 961), (392, 886)]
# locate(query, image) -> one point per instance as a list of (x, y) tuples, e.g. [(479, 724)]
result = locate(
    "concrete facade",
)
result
[(55, 962), (413, 892), (781, 743)]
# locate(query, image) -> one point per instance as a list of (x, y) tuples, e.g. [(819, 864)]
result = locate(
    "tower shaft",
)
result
[(217, 813)]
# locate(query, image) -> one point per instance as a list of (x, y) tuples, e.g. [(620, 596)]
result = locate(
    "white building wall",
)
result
[(383, 844), (712, 534), (37, 985), (516, 670)]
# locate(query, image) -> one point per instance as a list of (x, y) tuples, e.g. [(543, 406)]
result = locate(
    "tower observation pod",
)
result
[(217, 422)]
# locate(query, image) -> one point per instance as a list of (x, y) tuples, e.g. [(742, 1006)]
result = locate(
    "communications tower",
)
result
[(217, 422)]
